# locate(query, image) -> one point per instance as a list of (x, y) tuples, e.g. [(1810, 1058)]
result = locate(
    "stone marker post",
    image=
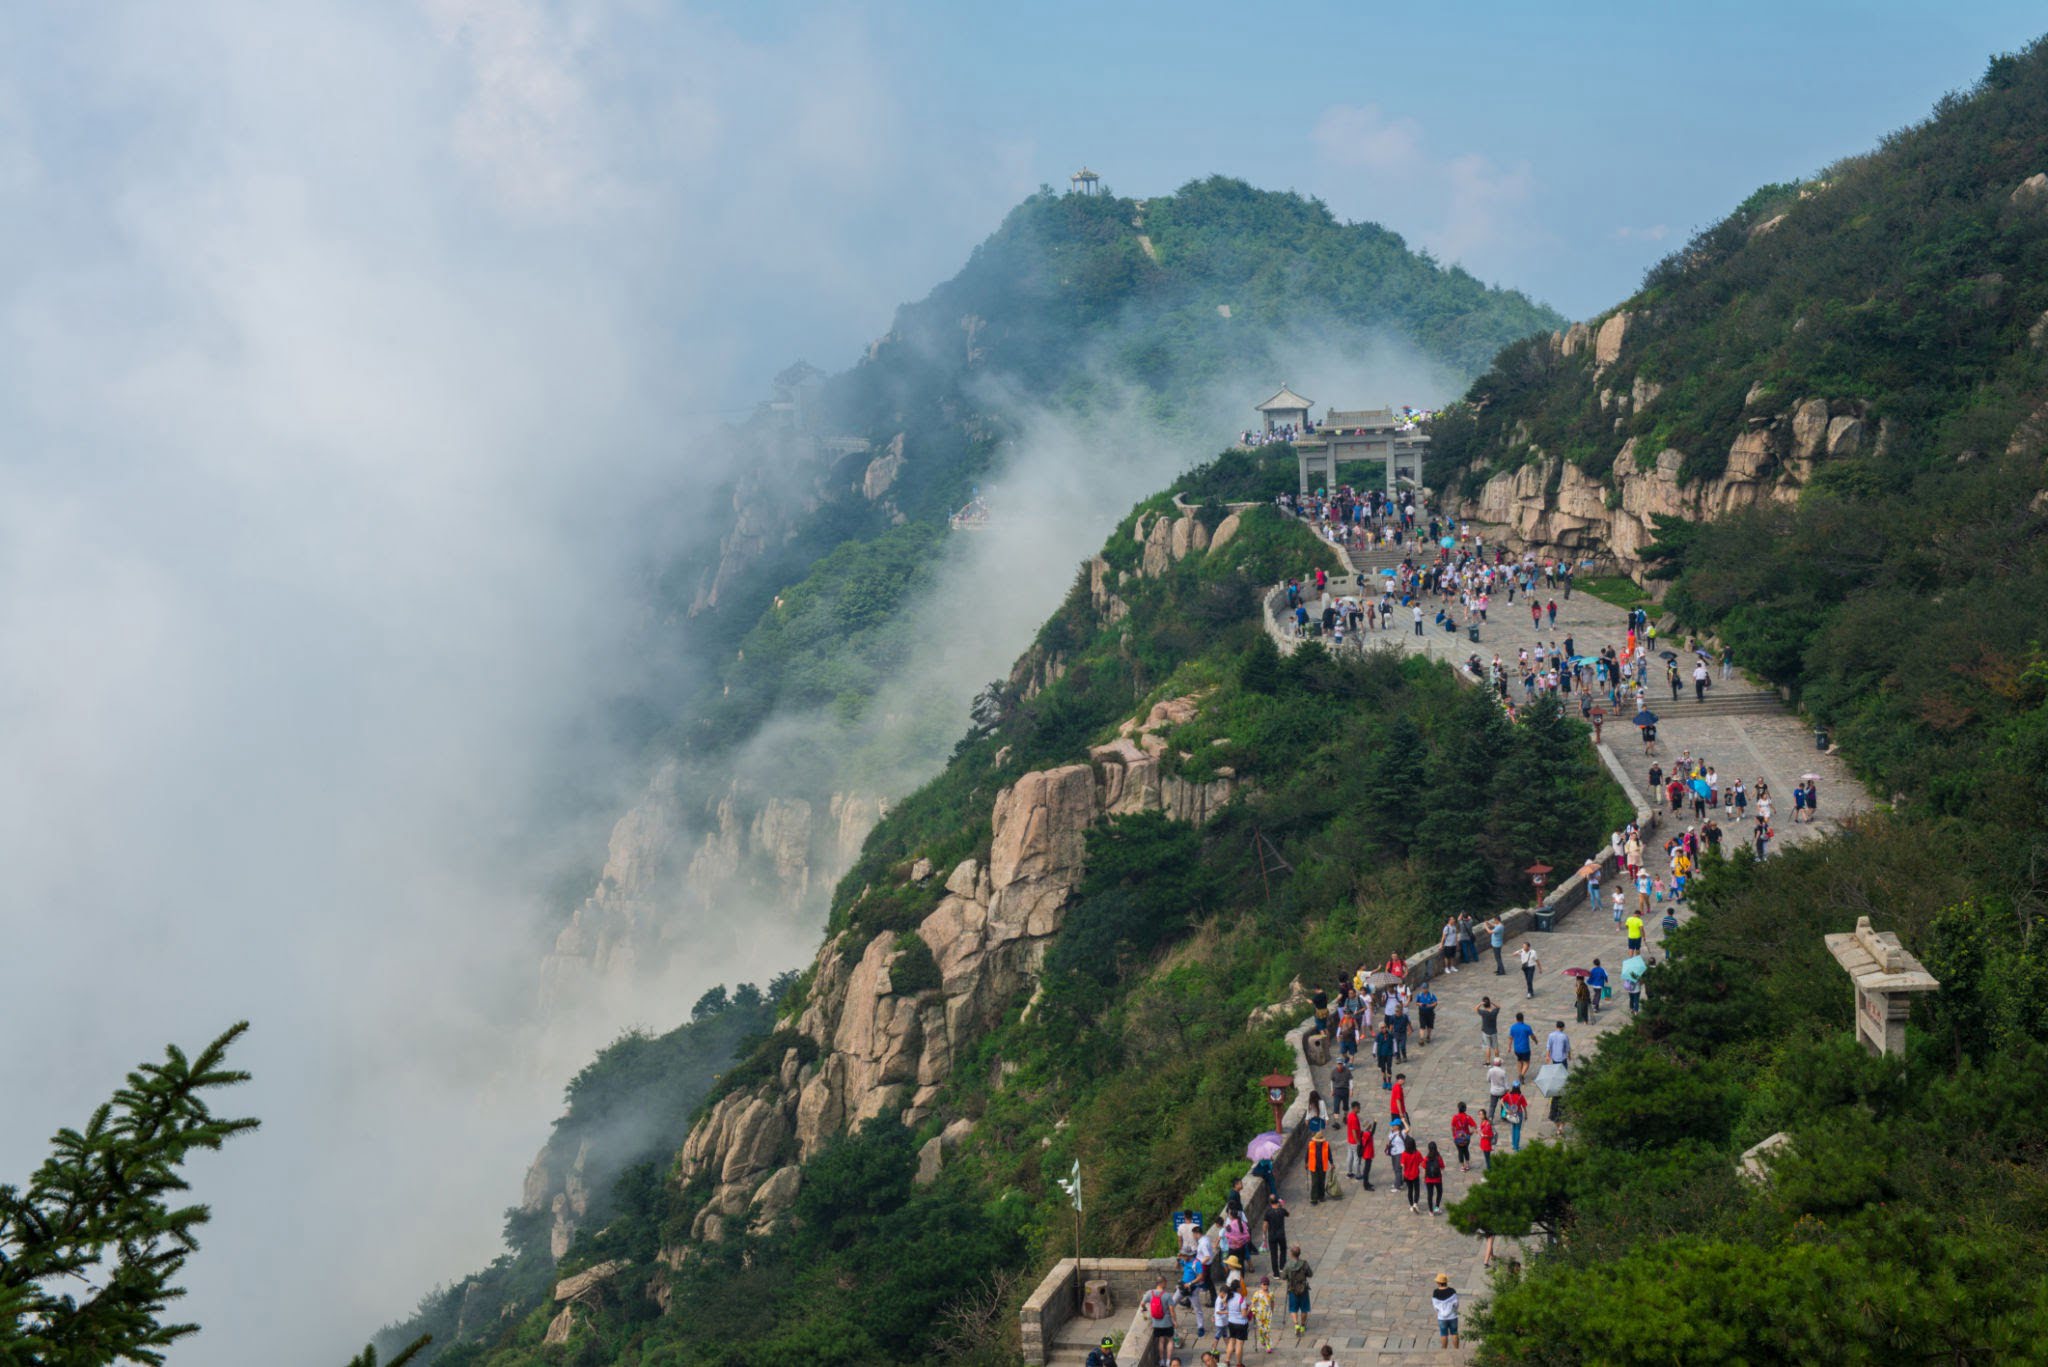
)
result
[(1886, 978)]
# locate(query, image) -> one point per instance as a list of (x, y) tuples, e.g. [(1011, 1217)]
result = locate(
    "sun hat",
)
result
[(1443, 1279)]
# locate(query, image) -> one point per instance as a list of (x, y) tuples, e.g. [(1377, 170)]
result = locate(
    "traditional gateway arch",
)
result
[(1365, 434)]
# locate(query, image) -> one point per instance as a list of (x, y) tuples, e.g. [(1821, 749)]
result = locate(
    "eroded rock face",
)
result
[(988, 936), (1607, 344), (881, 473), (1771, 459)]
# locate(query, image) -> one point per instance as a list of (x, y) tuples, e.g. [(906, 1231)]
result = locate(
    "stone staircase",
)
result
[(1723, 700)]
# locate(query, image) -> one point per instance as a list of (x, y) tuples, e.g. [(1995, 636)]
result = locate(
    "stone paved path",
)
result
[(1376, 1263)]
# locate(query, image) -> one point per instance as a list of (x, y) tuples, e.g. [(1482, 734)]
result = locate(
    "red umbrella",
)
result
[(1578, 972)]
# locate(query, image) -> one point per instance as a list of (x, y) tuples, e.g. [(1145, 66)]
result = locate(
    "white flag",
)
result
[(1072, 1185)]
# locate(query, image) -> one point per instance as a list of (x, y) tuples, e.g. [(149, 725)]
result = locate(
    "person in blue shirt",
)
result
[(1597, 981), (1425, 1012), (1522, 1039)]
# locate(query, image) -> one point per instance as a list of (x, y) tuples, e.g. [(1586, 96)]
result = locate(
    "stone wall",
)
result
[(1057, 1299)]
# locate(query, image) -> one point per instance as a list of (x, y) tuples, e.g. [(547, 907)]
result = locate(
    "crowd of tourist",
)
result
[(1280, 432), (1367, 1025)]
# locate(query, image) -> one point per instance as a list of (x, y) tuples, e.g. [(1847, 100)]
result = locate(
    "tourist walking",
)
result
[(1318, 1163), (1433, 1178), (1298, 1275), (1514, 1108), (1276, 1232), (1521, 1039), (1496, 1085), (1559, 1046), (1411, 1176), (1159, 1314), (1486, 1135), (1496, 933), (1462, 1126), (1444, 1301), (1425, 1011), (1449, 940), (1530, 962)]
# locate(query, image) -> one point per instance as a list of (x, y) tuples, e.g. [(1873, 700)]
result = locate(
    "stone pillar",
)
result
[(1886, 977)]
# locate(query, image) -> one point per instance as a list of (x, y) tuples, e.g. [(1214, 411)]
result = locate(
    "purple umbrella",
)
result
[(1267, 1145)]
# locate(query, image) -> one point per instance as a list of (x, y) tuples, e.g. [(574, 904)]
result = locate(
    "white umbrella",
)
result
[(1550, 1078)]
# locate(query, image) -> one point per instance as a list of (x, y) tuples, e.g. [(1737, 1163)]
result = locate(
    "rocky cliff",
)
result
[(1545, 501), (671, 870), (864, 1042)]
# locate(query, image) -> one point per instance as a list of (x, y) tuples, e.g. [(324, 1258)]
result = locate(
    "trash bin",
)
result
[(1546, 918), (1820, 738), (1472, 631)]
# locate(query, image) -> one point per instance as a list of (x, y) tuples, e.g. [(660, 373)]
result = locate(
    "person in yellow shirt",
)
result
[(1634, 928)]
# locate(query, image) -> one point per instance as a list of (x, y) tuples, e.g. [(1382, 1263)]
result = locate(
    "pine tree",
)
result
[(1394, 792), (1546, 809), (90, 1250), (1454, 836)]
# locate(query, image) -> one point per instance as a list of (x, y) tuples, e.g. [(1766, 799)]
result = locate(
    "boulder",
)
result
[(1158, 549), (1845, 435), (882, 470), (753, 1141), (2031, 190), (1642, 393), (1227, 528), (776, 1196), (585, 1286), (1613, 332), (921, 870), (1809, 429), (930, 1158), (1577, 338), (560, 1325)]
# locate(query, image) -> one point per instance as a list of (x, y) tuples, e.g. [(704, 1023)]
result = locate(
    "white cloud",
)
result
[(349, 347), (1464, 208), (1655, 232)]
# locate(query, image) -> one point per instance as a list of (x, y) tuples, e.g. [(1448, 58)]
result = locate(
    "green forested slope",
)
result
[(1903, 596), (1904, 599), (1386, 786)]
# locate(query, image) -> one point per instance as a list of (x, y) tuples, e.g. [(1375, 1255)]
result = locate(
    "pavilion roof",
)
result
[(1285, 399)]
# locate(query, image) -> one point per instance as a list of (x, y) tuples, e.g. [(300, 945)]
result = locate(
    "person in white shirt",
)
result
[(1444, 1300)]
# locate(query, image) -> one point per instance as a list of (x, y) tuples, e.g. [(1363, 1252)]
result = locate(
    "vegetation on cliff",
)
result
[(1062, 309), (1132, 1053), (1900, 594), (1898, 589)]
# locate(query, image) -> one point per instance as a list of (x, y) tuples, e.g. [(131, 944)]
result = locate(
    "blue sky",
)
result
[(360, 351), (1557, 148)]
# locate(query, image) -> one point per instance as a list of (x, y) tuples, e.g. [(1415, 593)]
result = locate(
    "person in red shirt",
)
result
[(1354, 1135), (1486, 1142), (1397, 1100), (1411, 1173), (1461, 1136)]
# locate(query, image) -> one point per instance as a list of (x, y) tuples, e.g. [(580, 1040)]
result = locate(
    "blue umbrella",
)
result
[(1699, 785), (1448, 542)]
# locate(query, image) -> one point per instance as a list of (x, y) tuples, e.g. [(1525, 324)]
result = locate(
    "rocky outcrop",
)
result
[(1548, 503), (1170, 539), (880, 1046), (1607, 343), (881, 473)]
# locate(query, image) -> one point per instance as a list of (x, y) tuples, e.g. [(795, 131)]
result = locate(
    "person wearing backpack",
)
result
[(1103, 1354), (1298, 1275), (1514, 1108), (1159, 1315), (1318, 1167)]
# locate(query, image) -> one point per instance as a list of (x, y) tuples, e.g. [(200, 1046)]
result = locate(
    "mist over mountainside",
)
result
[(1090, 348), (1086, 347), (1057, 950)]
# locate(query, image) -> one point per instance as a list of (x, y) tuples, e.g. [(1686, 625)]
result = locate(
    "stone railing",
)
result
[(1057, 1299)]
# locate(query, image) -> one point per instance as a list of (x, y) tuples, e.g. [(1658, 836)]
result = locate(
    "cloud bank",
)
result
[(348, 347)]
